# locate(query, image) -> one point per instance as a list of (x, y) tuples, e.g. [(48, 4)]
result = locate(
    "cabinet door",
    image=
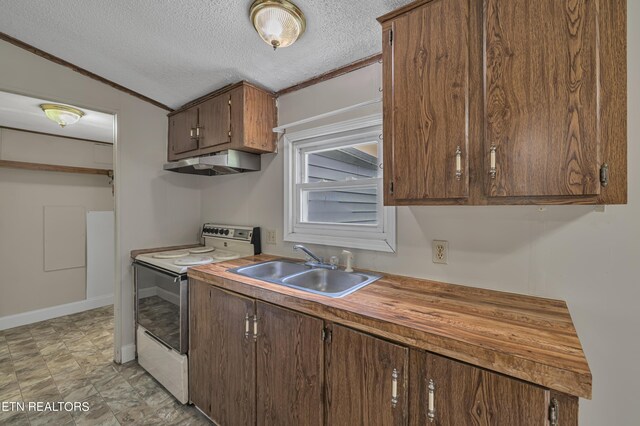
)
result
[(214, 123), (200, 338), (426, 90), (541, 92), (181, 128), (466, 395), (222, 367), (290, 367), (360, 377)]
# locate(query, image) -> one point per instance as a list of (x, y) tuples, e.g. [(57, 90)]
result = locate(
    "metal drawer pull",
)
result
[(492, 169), (604, 175), (394, 388), (458, 163), (255, 327), (246, 326), (431, 413), (554, 412)]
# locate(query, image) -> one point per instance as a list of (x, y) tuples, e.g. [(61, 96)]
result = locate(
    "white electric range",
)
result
[(162, 300)]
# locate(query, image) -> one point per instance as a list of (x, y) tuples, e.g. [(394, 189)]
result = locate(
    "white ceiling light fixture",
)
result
[(278, 22), (62, 114)]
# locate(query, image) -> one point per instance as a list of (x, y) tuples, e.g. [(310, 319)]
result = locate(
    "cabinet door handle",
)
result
[(492, 158), (198, 132), (554, 412), (191, 132), (458, 163), (246, 326), (255, 328), (394, 388), (431, 412)]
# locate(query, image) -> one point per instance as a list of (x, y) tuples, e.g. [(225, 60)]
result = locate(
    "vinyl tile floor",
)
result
[(69, 359)]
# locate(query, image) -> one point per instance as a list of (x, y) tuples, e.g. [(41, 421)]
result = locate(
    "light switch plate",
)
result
[(271, 236), (440, 250)]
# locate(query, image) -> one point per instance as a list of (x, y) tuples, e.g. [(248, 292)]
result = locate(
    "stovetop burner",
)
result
[(200, 250), (193, 260), (170, 255), (224, 255)]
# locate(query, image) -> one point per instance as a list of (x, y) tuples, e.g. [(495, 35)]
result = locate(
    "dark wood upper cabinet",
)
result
[(222, 357), (426, 95), (182, 133), (253, 117), (215, 121), (240, 116), (290, 370), (366, 380), (540, 104), (533, 92), (450, 393)]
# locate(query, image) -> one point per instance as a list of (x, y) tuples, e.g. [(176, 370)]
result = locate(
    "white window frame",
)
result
[(378, 237)]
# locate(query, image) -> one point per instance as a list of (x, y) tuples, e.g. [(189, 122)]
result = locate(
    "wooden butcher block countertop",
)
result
[(526, 337)]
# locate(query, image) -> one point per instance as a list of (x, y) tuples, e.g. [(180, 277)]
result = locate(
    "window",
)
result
[(333, 187)]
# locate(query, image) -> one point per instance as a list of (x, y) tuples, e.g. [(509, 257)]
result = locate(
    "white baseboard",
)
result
[(127, 353), (17, 320)]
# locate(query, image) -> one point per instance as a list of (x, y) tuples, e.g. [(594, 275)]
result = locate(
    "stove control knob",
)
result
[(215, 231), (226, 232)]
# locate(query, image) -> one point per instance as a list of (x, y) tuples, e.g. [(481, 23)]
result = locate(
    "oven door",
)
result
[(162, 305)]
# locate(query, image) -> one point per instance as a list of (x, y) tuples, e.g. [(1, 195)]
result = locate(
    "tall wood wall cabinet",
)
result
[(240, 116), (505, 102)]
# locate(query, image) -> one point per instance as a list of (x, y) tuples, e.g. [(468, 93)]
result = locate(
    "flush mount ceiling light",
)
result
[(62, 114), (279, 22)]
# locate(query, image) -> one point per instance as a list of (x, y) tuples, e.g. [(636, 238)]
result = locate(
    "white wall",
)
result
[(25, 285), (153, 208), (37, 148), (589, 259)]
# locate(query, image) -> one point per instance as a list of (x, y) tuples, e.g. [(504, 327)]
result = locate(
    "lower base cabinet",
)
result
[(366, 380), (222, 359), (254, 363), (444, 392), (290, 371)]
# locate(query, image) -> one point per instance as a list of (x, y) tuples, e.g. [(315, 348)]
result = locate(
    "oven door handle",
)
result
[(176, 277)]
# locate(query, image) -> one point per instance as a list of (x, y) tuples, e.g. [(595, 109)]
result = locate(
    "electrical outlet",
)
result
[(271, 236), (440, 251)]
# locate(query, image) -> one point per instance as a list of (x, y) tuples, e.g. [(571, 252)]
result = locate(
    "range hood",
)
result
[(221, 163)]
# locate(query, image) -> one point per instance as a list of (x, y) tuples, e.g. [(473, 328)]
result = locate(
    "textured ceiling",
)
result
[(176, 50)]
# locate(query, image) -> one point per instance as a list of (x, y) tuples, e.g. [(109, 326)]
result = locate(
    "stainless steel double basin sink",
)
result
[(327, 282)]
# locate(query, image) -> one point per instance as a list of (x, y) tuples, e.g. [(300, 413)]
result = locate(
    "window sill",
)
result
[(342, 242)]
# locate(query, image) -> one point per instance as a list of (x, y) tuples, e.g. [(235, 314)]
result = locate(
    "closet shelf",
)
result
[(54, 168)]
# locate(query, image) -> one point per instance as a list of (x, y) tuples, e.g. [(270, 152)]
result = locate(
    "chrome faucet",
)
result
[(319, 262)]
